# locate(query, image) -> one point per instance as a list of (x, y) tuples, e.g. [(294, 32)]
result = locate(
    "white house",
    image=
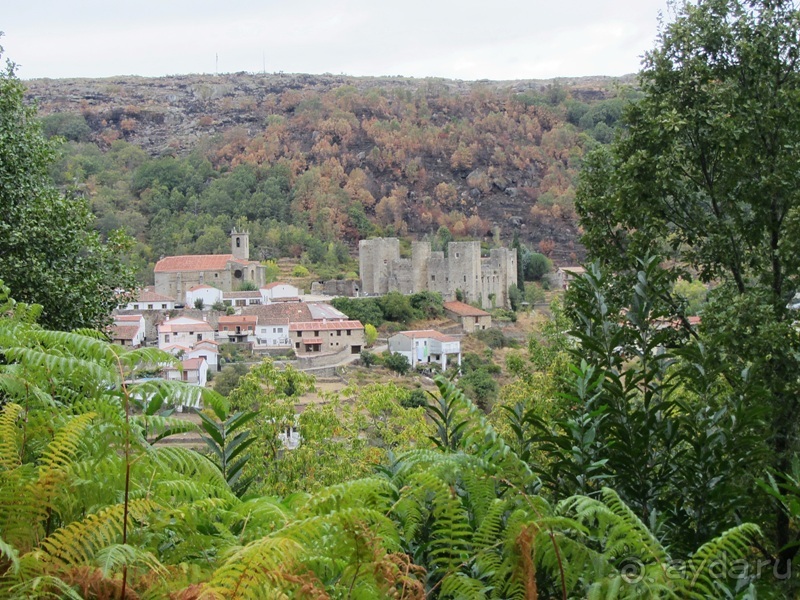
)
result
[(184, 331), (425, 347), (208, 350), (247, 298), (147, 299), (278, 291), (207, 293), (237, 328), (128, 330), (193, 370), (272, 333)]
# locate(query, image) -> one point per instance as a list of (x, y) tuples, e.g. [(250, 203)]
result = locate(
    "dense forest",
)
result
[(313, 164), (633, 454)]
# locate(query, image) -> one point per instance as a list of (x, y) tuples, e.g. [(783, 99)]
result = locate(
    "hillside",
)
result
[(336, 158)]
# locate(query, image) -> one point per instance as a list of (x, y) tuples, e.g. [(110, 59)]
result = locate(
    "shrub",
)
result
[(300, 271), (494, 338), (397, 363), (368, 358), (415, 399)]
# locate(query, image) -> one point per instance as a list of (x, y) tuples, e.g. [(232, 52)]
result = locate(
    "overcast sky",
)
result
[(503, 39)]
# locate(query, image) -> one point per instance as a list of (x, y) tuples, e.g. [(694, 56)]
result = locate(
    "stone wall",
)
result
[(483, 280)]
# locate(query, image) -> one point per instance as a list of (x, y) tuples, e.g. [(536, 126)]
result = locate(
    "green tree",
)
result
[(370, 334), (397, 307), (397, 363), (706, 174), (48, 252)]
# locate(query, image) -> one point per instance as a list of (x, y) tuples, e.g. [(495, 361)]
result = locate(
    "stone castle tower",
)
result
[(482, 280)]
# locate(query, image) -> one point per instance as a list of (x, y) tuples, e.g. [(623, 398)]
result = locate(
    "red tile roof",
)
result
[(311, 340), (192, 364), (196, 262), (124, 332), (238, 319), (290, 312), (328, 326), (251, 294), (464, 310), (148, 294), (127, 318)]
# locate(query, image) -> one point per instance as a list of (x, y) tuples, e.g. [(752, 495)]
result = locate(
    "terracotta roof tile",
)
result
[(148, 294), (464, 310), (328, 326), (311, 340), (192, 364), (237, 319), (124, 332), (196, 262), (127, 318), (286, 312)]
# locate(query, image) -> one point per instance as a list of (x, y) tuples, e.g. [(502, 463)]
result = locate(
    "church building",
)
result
[(175, 275)]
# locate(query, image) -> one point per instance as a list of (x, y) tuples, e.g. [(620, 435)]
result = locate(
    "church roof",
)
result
[(196, 262)]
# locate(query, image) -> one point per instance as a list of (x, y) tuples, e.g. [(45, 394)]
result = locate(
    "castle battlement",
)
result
[(484, 280)]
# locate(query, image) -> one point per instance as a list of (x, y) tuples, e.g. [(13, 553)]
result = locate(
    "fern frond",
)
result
[(63, 449), (111, 558), (9, 436), (22, 389), (734, 544), (371, 492), (11, 555), (79, 372), (462, 586), (80, 541), (259, 570), (43, 587)]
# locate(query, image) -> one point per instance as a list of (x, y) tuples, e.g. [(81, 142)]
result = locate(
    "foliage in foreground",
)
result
[(90, 507)]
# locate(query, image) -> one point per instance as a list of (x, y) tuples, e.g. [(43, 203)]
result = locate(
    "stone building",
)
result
[(484, 280), (176, 275)]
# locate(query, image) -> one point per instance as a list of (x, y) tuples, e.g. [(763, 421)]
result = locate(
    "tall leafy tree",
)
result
[(49, 253), (706, 173)]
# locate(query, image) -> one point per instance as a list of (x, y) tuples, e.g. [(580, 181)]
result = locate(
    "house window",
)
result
[(297, 345), (465, 278), (166, 339), (457, 255), (199, 337), (338, 333), (433, 277), (316, 333), (164, 306), (149, 307), (349, 332), (225, 328), (216, 274)]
